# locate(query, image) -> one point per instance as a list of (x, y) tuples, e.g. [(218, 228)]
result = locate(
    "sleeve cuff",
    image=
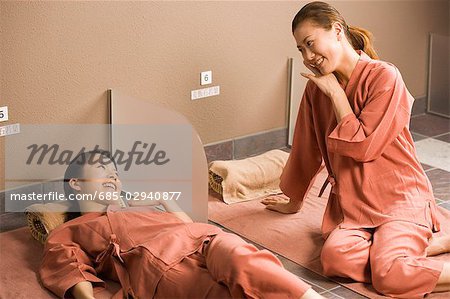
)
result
[(346, 128), (346, 118), (76, 277)]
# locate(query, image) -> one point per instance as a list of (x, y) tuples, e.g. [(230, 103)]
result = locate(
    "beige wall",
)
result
[(59, 58)]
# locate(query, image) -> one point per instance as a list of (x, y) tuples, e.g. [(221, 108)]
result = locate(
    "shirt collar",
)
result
[(362, 61)]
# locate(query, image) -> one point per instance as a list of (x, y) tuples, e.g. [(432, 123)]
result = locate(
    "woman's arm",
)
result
[(329, 85), (169, 205), (341, 106), (303, 163), (65, 264), (172, 207), (385, 114)]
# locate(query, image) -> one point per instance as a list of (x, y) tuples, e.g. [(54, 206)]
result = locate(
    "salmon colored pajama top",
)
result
[(154, 254), (372, 164)]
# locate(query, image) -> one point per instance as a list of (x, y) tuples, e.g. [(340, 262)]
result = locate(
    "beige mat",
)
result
[(295, 236)]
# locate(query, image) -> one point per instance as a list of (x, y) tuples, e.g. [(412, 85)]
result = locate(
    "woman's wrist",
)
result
[(340, 104), (336, 94), (294, 206)]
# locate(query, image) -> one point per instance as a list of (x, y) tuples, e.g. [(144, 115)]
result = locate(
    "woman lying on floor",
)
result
[(153, 254), (355, 116)]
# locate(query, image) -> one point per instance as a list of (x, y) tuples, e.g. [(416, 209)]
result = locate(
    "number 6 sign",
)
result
[(4, 113)]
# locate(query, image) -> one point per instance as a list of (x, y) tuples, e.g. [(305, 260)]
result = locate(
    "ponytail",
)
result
[(324, 15), (361, 39)]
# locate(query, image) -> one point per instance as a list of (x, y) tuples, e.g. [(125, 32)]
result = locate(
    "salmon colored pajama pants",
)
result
[(230, 268), (391, 256)]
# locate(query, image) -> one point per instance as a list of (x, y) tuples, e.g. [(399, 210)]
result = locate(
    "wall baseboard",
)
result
[(420, 105), (247, 146)]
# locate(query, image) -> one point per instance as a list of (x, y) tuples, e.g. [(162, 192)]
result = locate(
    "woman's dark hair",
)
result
[(324, 15), (75, 170)]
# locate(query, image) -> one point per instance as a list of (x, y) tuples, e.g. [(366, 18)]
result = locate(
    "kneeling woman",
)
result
[(153, 254), (354, 116)]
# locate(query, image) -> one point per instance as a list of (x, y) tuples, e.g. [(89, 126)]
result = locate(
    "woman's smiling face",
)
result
[(321, 49), (101, 177)]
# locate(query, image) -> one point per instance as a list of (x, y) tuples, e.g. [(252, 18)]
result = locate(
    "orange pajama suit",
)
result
[(381, 210), (153, 254)]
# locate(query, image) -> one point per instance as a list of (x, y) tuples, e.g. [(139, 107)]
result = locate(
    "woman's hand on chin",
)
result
[(327, 83)]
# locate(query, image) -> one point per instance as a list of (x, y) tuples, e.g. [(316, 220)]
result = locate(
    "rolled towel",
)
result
[(248, 179), (43, 218)]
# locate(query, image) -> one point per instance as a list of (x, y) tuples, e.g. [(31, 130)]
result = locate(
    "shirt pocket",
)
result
[(201, 230), (173, 246)]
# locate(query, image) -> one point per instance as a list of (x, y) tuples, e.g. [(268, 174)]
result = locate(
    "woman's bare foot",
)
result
[(438, 245)]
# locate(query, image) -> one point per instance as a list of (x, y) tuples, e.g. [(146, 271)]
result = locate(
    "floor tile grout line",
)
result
[(332, 289), (324, 289), (307, 280), (417, 115), (440, 135), (429, 137), (328, 292), (311, 283), (420, 135)]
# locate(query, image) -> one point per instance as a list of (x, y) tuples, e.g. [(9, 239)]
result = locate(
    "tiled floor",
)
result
[(427, 129), (434, 130), (434, 152)]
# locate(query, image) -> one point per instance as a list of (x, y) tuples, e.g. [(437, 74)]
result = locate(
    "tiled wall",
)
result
[(247, 146)]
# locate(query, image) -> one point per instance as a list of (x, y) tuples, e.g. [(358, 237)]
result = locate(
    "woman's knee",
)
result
[(231, 256), (391, 279), (334, 260), (346, 259)]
